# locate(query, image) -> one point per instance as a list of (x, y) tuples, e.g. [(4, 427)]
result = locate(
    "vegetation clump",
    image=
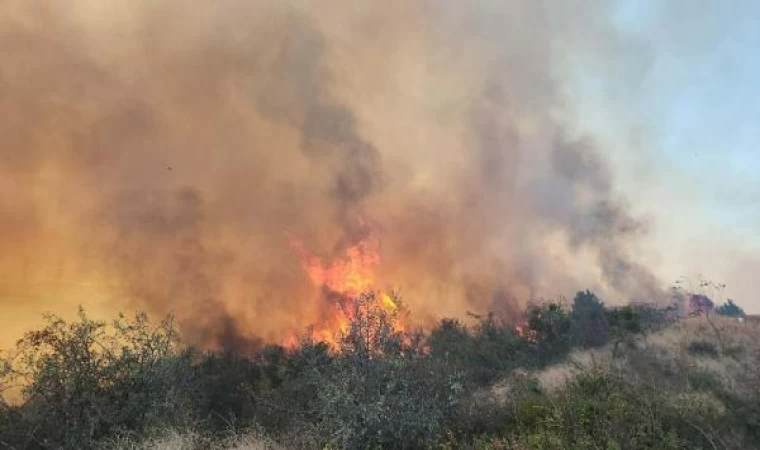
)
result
[(703, 347), (132, 383), (730, 309)]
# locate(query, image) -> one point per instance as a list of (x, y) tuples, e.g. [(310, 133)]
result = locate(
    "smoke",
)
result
[(164, 150)]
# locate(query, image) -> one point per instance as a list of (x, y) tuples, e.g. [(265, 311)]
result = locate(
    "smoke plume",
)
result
[(165, 150)]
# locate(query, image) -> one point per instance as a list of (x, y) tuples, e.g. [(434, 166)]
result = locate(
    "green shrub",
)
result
[(222, 384), (85, 380), (589, 321), (730, 309), (628, 322), (379, 391), (490, 350), (551, 327), (597, 411)]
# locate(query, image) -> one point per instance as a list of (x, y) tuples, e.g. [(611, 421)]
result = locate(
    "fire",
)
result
[(388, 302), (523, 330), (348, 277)]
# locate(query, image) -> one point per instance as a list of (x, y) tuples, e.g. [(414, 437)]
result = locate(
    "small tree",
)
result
[(86, 380), (381, 389), (589, 322), (373, 329)]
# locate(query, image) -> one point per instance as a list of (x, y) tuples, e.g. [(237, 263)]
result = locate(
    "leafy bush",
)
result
[(597, 410), (86, 380), (451, 342), (550, 328), (730, 309), (380, 390), (589, 321), (489, 350), (222, 384), (628, 322)]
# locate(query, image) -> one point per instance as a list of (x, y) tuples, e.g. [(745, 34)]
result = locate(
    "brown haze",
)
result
[(158, 154)]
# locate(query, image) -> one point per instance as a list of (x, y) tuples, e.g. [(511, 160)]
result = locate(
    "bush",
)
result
[(703, 348), (730, 309), (599, 410), (589, 321), (85, 381), (703, 380), (222, 384), (550, 327), (451, 342), (630, 321), (386, 403), (489, 350), (380, 390)]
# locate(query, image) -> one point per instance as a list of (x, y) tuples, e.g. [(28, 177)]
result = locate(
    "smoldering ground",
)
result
[(164, 149)]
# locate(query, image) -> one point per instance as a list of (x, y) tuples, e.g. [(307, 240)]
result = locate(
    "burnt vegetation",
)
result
[(90, 384)]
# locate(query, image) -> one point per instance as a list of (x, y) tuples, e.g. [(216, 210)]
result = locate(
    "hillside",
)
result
[(667, 356), (580, 376), (682, 363)]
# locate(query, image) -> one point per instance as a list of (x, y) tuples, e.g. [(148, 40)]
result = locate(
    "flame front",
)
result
[(347, 277)]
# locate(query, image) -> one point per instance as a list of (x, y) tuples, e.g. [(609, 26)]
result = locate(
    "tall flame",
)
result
[(347, 277)]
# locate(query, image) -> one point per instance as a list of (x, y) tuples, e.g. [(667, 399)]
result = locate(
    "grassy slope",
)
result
[(664, 358), (667, 360)]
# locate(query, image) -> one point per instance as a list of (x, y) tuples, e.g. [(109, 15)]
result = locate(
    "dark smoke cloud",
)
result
[(297, 93), (166, 149)]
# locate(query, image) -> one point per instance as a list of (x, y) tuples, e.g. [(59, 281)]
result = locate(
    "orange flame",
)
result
[(348, 276)]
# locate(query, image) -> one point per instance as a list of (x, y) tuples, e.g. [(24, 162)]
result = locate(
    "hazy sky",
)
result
[(477, 134), (679, 105)]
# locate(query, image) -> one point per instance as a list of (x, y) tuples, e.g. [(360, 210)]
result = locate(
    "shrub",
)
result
[(484, 353), (222, 384), (730, 309), (589, 321), (703, 348), (551, 328), (85, 380), (379, 390), (599, 410), (703, 380), (627, 322), (388, 403), (451, 342)]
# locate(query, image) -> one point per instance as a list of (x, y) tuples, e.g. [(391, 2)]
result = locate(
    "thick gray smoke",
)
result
[(164, 149)]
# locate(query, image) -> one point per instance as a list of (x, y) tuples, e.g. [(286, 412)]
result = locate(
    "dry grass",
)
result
[(663, 359), (190, 440), (667, 353), (705, 370)]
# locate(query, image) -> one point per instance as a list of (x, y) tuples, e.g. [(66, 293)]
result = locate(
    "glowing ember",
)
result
[(523, 330)]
